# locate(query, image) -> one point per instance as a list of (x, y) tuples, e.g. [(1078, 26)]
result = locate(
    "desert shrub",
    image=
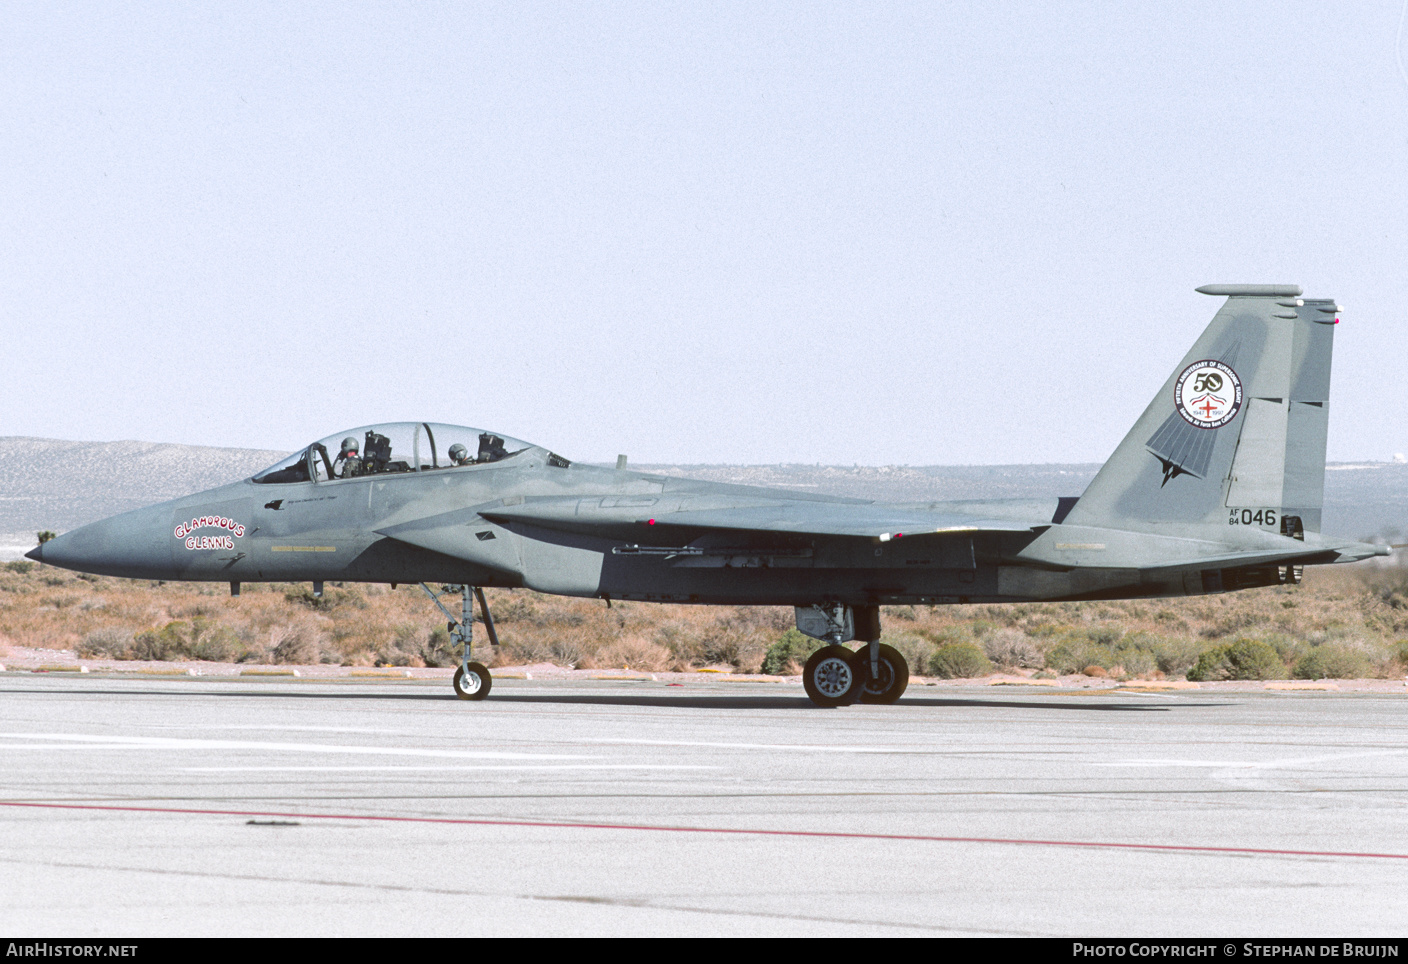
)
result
[(1175, 655), (110, 643), (516, 610), (1012, 647), (1136, 654), (1103, 635), (295, 644), (437, 650), (1076, 650), (634, 652), (959, 661), (1332, 662), (568, 649), (167, 643), (407, 645), (561, 616), (523, 649), (412, 645), (905, 613), (1393, 591), (1288, 648), (734, 641), (916, 650), (20, 566), (1136, 661), (1400, 652), (332, 598), (1240, 659), (1227, 623), (214, 642), (945, 635), (789, 653)]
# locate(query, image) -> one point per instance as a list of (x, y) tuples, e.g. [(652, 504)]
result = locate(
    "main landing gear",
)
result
[(836, 676), (472, 680)]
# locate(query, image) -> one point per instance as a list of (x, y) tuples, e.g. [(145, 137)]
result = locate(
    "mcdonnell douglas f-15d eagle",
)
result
[(1218, 487)]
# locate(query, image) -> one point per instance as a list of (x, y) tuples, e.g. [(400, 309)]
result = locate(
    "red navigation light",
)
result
[(650, 522), (899, 535)]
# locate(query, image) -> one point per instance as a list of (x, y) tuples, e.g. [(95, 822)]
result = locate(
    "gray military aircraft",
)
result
[(1218, 487)]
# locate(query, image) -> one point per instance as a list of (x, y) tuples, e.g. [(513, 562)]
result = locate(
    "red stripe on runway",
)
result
[(651, 828)]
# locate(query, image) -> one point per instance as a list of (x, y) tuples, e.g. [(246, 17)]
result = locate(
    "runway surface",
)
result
[(147, 807)]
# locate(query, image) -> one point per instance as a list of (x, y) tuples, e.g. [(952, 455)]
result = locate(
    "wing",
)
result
[(686, 519), (694, 517)]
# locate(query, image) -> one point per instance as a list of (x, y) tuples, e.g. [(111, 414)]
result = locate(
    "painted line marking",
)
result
[(282, 727), (722, 831), (74, 741), (799, 747), (1253, 764), (451, 769)]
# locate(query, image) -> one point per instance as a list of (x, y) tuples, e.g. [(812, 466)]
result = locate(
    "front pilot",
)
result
[(348, 463)]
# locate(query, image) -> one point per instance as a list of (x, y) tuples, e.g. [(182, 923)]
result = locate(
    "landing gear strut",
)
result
[(472, 680)]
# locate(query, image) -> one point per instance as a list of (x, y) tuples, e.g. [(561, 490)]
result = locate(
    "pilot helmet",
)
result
[(458, 452), (349, 446)]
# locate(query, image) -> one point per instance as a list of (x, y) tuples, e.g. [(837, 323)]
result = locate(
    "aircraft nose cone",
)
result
[(135, 544), (37, 553)]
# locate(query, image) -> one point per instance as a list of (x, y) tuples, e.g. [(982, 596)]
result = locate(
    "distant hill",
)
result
[(59, 485)]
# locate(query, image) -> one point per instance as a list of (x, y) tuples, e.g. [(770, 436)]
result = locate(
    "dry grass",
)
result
[(1360, 615)]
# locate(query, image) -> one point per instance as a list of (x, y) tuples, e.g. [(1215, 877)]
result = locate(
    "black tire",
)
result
[(479, 684), (829, 678), (893, 678)]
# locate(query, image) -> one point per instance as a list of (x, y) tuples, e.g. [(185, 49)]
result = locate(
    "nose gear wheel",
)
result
[(472, 681)]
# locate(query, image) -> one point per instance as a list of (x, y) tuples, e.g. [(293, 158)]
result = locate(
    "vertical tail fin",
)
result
[(1237, 431)]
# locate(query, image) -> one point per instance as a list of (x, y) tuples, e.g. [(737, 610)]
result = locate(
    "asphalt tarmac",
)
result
[(150, 807)]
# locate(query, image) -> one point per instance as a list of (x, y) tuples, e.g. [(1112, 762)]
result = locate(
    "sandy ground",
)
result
[(20, 659)]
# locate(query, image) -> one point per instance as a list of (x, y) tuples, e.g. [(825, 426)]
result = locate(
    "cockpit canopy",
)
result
[(396, 447)]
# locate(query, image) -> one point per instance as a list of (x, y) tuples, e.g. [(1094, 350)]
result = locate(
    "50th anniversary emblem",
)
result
[(1208, 394)]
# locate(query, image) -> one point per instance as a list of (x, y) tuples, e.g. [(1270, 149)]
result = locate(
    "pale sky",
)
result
[(754, 232)]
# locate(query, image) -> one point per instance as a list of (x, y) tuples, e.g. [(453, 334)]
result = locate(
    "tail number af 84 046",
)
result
[(1266, 518)]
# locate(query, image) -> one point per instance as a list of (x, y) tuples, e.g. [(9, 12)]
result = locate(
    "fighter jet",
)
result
[(1217, 487)]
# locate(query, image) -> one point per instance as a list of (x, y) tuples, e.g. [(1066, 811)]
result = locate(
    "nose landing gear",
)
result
[(472, 680)]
